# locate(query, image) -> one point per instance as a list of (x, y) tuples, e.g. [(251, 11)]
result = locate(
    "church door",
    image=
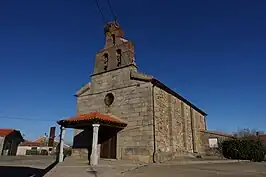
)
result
[(108, 148)]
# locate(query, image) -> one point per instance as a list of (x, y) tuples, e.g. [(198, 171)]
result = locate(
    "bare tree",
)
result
[(246, 132)]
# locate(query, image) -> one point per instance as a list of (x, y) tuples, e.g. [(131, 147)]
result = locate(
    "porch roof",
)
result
[(6, 131), (84, 120)]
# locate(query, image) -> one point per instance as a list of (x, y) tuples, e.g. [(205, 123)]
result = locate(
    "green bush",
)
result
[(32, 152), (244, 149), (44, 152), (36, 152)]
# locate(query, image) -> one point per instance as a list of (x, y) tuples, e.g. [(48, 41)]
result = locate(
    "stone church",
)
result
[(138, 117)]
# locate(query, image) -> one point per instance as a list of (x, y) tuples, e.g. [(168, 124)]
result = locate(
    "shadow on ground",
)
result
[(15, 171), (93, 172)]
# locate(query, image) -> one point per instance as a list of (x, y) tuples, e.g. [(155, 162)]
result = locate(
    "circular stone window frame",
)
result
[(109, 99)]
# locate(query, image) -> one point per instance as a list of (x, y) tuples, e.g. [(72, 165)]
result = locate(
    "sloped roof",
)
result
[(263, 138), (218, 133), (40, 139), (148, 78), (92, 117), (30, 143), (6, 131), (39, 144)]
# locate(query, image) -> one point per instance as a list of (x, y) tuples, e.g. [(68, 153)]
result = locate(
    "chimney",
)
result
[(51, 137)]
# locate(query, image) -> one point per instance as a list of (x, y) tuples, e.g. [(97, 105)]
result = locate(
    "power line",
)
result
[(111, 9), (99, 9), (49, 120), (24, 118)]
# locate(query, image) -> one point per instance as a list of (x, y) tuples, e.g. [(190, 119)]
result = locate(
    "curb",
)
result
[(52, 170)]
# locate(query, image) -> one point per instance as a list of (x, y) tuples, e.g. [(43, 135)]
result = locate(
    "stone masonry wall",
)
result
[(201, 122), (178, 132), (132, 103), (168, 126), (193, 119), (163, 121), (173, 126), (200, 126), (197, 126), (187, 114)]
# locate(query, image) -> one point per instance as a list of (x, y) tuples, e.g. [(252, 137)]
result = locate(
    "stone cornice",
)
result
[(83, 89)]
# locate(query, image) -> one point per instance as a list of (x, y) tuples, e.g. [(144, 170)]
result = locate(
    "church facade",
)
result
[(160, 123)]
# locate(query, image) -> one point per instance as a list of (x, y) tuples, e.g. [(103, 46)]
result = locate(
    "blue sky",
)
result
[(211, 52)]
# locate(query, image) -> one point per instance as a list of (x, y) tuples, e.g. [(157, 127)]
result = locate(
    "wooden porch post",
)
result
[(94, 153)]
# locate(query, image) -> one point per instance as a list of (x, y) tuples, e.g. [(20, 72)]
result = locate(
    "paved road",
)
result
[(25, 166), (71, 168), (202, 170)]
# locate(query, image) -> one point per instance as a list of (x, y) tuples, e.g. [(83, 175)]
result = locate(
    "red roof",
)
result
[(6, 131), (218, 133), (263, 138), (30, 143), (40, 139), (93, 116)]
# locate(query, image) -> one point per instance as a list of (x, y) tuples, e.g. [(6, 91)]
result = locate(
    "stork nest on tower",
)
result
[(108, 27)]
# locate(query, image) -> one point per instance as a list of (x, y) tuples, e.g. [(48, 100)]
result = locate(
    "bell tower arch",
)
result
[(117, 52)]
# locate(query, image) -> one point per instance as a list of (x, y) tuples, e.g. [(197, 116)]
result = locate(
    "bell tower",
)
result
[(117, 52)]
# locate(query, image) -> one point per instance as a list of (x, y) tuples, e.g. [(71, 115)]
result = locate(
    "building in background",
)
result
[(27, 145), (262, 137), (41, 144), (9, 141), (213, 138)]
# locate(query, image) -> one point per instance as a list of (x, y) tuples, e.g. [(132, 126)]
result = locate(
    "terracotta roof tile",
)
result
[(40, 139), (30, 143), (6, 131), (263, 138), (218, 133), (93, 116)]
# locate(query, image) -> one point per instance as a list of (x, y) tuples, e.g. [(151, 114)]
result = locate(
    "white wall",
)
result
[(213, 142), (22, 149)]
